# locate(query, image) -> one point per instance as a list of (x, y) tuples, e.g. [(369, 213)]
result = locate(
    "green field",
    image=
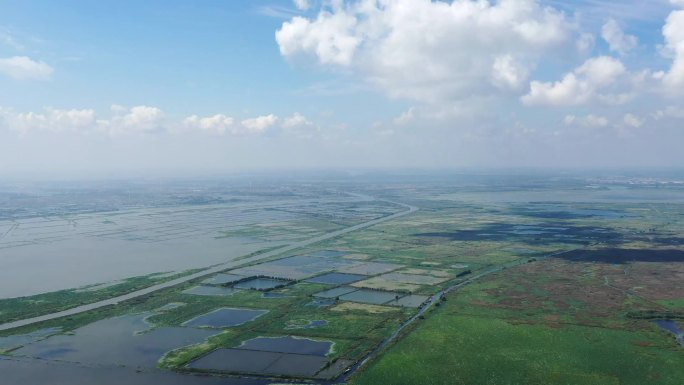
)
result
[(451, 347)]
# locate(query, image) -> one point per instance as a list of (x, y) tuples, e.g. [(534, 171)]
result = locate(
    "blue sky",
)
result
[(93, 87)]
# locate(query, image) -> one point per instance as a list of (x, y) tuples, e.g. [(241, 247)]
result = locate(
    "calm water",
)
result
[(125, 340), (288, 344), (225, 317), (261, 284), (47, 254), (336, 278), (39, 372)]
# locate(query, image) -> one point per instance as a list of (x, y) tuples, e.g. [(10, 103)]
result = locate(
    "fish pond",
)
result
[(336, 278), (225, 317), (262, 284)]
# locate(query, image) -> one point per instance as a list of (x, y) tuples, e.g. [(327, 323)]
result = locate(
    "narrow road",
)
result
[(210, 271)]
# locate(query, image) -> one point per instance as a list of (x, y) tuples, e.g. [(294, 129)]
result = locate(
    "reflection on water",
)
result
[(11, 342), (126, 340), (38, 372)]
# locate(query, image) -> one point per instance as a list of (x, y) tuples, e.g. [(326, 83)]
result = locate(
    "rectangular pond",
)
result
[(298, 267), (260, 362), (370, 268), (288, 344), (373, 297), (336, 278), (262, 284), (336, 292), (225, 317)]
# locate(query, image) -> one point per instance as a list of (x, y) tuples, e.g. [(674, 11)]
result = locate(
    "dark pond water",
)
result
[(260, 362), (262, 284), (225, 317), (336, 278), (39, 372), (288, 344), (125, 340), (336, 292), (23, 339), (369, 296)]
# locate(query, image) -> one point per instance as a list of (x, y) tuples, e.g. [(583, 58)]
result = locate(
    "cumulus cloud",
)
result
[(53, 120), (430, 51), (585, 84), (138, 119), (617, 40), (259, 124), (25, 68), (126, 121), (296, 120), (589, 121), (217, 124), (673, 31)]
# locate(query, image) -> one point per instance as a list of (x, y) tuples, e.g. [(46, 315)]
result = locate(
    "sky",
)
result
[(118, 88)]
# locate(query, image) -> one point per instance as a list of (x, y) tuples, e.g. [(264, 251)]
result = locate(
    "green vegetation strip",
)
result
[(13, 309)]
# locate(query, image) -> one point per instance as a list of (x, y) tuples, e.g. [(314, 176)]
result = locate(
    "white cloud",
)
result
[(295, 121), (405, 118), (53, 120), (673, 31), (617, 40), (138, 119), (581, 86), (302, 5), (507, 73), (430, 51), (585, 43), (633, 120), (25, 68), (125, 121), (260, 124), (589, 121), (669, 112), (217, 124)]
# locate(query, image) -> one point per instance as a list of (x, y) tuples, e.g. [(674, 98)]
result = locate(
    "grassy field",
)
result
[(453, 349)]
